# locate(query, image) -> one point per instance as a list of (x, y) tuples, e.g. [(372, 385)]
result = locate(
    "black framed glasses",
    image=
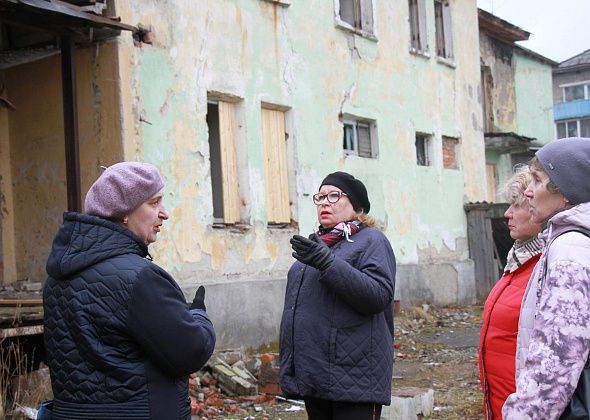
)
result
[(332, 197)]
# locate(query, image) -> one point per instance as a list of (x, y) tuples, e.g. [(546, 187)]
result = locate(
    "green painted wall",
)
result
[(297, 57), (534, 98)]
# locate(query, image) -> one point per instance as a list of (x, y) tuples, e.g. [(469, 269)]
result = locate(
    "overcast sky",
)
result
[(559, 29)]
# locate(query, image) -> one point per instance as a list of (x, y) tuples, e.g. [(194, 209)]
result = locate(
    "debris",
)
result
[(234, 381)]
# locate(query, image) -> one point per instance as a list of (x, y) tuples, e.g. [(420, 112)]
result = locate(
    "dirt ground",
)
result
[(437, 348), (434, 348)]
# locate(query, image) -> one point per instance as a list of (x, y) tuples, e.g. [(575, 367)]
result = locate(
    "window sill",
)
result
[(284, 3), (449, 62), (420, 53), (232, 227), (340, 24), (282, 226)]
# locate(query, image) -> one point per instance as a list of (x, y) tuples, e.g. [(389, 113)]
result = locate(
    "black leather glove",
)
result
[(313, 251), (199, 300)]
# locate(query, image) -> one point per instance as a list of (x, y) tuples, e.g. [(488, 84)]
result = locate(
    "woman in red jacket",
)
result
[(497, 340)]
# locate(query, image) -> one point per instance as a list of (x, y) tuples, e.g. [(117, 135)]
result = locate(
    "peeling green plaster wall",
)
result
[(534, 98), (296, 57)]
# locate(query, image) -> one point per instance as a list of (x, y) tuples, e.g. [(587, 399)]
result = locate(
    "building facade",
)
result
[(245, 106), (516, 100), (571, 96)]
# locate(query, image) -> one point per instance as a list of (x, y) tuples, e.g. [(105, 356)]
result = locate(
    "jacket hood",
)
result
[(83, 240), (575, 218)]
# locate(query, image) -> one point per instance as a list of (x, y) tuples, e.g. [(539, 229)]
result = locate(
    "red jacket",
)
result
[(497, 340)]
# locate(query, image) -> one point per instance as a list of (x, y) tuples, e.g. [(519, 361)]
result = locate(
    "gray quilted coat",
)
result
[(119, 336), (336, 338)]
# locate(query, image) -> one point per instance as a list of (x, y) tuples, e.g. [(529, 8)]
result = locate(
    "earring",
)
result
[(125, 220)]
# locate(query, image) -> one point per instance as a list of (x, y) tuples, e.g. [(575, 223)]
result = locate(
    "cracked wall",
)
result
[(295, 57)]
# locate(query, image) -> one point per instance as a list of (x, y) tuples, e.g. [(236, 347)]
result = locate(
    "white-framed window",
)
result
[(359, 137), (418, 34), (423, 145), (443, 29), (576, 91), (573, 128), (356, 15)]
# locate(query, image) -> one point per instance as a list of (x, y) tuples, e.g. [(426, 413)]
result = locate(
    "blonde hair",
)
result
[(517, 184), (365, 219)]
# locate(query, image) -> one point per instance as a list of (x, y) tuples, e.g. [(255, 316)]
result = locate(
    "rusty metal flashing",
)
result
[(500, 29)]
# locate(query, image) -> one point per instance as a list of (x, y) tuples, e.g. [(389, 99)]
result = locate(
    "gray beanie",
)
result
[(567, 163), (122, 188)]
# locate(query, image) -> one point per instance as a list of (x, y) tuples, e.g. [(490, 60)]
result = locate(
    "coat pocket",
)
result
[(351, 346)]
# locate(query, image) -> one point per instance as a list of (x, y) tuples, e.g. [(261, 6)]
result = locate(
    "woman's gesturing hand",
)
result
[(313, 252)]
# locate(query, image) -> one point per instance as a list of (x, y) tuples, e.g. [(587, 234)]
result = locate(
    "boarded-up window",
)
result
[(423, 147), (450, 155), (418, 36), (358, 138), (442, 21), (491, 182), (222, 151), (487, 98), (275, 166), (357, 13)]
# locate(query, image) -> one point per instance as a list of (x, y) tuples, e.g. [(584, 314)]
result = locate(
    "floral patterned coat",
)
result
[(554, 338)]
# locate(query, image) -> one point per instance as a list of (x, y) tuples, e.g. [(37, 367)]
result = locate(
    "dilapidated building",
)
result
[(516, 99), (245, 105)]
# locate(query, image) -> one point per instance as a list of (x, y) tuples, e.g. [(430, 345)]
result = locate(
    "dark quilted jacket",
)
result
[(336, 339), (119, 336)]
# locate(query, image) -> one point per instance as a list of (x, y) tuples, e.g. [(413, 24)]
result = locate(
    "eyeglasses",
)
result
[(332, 197)]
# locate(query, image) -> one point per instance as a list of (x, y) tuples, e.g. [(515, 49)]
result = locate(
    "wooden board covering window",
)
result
[(229, 171), (491, 182), (275, 166)]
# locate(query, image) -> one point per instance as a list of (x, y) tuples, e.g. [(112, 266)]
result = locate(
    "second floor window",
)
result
[(444, 38), (358, 138), (418, 37), (358, 14), (576, 92)]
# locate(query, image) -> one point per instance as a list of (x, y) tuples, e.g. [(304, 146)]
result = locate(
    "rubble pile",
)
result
[(231, 384)]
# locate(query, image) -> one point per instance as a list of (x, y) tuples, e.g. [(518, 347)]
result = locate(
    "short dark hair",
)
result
[(535, 165)]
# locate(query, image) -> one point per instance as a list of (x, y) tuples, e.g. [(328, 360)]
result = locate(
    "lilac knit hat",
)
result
[(122, 188), (567, 163)]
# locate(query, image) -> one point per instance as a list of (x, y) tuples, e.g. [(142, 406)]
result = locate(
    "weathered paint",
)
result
[(521, 101), (34, 166), (293, 57), (534, 98), (498, 56), (149, 102)]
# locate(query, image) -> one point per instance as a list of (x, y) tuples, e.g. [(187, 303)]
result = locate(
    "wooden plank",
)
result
[(21, 302), (229, 168), (275, 165), (20, 331)]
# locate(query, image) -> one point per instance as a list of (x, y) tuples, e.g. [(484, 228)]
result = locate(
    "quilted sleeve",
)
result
[(558, 347), (176, 339), (368, 286)]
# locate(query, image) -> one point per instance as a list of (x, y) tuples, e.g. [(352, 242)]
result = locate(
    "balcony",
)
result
[(571, 110)]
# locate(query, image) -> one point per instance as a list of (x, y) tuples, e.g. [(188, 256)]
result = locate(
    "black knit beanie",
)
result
[(352, 187)]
